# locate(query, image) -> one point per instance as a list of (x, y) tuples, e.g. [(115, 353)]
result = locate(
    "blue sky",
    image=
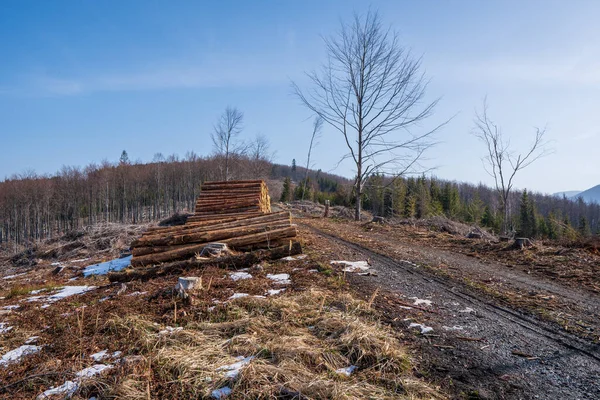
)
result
[(81, 80)]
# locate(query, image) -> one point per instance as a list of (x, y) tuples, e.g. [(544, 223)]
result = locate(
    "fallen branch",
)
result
[(232, 262)]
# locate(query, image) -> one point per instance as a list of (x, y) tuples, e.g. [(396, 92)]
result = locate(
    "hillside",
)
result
[(592, 195)]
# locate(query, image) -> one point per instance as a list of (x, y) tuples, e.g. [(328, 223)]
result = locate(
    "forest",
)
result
[(38, 207)]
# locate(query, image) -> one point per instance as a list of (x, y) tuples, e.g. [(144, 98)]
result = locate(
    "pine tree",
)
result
[(584, 227), (124, 159), (450, 200), (286, 193), (527, 218), (294, 168)]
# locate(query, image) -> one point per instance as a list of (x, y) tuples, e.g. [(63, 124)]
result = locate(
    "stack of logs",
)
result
[(232, 198), (236, 213)]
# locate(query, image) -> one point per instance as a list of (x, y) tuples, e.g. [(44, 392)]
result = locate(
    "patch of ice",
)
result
[(418, 301), (453, 328), (273, 292), (280, 279), (353, 266), (32, 339), (237, 296), (424, 329), (221, 393), (108, 266), (13, 307), (14, 276), (236, 276), (168, 330), (4, 327), (467, 310), (18, 353), (233, 370), (346, 371)]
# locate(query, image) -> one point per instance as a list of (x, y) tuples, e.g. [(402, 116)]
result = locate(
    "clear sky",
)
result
[(80, 81)]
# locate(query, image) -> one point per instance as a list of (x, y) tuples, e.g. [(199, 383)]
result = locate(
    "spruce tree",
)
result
[(286, 193)]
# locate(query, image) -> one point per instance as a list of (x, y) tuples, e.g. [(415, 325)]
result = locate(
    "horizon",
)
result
[(82, 83)]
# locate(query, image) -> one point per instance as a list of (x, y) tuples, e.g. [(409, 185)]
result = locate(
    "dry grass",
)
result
[(296, 348)]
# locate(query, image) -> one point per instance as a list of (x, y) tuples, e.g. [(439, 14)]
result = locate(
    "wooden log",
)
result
[(211, 235), (212, 183), (279, 217), (182, 252), (232, 186), (231, 211), (210, 218), (232, 262)]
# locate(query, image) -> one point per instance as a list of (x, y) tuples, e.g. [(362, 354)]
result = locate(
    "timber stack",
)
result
[(235, 213)]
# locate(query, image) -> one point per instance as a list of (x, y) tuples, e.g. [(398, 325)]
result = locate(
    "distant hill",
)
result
[(591, 195), (568, 193)]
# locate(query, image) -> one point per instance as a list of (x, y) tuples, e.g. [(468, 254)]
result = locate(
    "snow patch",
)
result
[(346, 371), (424, 329), (291, 258), (273, 292), (68, 388), (233, 370), (18, 353), (4, 327), (453, 328), (221, 393), (13, 307), (136, 293), (353, 266), (418, 301), (32, 339), (14, 276), (236, 276), (168, 330), (467, 310), (104, 268), (280, 279), (79, 260), (99, 356), (238, 296)]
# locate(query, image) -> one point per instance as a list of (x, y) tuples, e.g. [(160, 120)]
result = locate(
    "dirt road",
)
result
[(478, 348)]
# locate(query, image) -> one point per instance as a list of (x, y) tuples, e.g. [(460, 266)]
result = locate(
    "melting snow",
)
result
[(467, 310), (236, 276), (221, 393), (104, 268), (346, 371), (273, 292), (80, 260), (233, 370), (4, 327), (452, 328), (421, 301), (169, 330), (14, 276), (280, 279), (99, 356), (13, 307), (238, 296), (32, 339), (16, 354), (291, 258), (68, 291), (136, 293), (353, 266), (70, 387), (424, 329)]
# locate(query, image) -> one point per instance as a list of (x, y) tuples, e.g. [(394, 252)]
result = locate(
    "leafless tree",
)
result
[(501, 161), (371, 90), (225, 134), (316, 132), (260, 156)]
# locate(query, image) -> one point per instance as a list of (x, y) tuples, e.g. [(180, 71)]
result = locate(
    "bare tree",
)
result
[(316, 132), (372, 92), (502, 162), (260, 156), (225, 134)]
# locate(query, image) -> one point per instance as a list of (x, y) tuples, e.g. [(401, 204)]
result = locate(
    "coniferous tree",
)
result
[(286, 193), (584, 227)]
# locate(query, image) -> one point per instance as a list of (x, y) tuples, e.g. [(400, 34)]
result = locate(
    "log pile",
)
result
[(236, 213), (231, 199)]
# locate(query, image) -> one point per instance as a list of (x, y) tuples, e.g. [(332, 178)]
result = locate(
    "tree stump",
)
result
[(326, 213), (521, 243), (187, 285), (474, 235)]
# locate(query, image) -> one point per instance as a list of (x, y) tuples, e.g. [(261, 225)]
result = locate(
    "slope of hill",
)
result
[(568, 193), (592, 195)]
